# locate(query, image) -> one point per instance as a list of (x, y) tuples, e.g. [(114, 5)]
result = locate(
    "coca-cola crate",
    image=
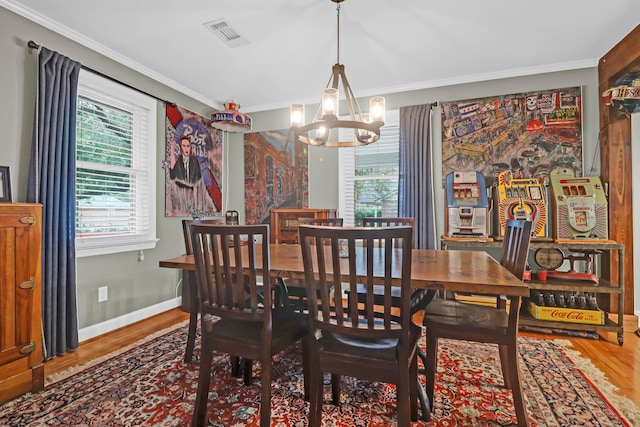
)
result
[(569, 315)]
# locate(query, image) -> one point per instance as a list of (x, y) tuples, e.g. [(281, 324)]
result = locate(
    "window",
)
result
[(369, 176), (115, 168)]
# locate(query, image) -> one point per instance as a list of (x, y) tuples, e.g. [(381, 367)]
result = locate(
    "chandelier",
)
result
[(365, 127)]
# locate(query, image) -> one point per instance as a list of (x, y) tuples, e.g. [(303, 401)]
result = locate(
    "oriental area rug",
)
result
[(148, 384)]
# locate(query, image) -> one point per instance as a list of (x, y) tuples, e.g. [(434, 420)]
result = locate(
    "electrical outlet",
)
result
[(103, 294)]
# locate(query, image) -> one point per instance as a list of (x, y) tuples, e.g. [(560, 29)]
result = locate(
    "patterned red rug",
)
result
[(148, 385)]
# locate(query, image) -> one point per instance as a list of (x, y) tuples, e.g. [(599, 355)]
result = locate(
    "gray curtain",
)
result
[(415, 186), (52, 183)]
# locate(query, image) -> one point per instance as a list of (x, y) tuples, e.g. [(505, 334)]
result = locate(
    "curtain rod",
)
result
[(34, 45)]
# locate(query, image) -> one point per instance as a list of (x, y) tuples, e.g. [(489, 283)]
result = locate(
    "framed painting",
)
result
[(533, 134), (275, 174), (193, 164)]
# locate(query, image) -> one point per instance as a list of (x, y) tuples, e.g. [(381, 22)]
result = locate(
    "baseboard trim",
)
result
[(127, 319)]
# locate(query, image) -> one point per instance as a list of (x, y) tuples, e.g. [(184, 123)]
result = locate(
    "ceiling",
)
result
[(385, 46)]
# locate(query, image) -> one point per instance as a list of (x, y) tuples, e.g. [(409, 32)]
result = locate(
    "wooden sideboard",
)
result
[(21, 366), (284, 222)]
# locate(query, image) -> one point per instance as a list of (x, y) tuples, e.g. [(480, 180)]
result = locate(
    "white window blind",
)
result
[(115, 168), (369, 176)]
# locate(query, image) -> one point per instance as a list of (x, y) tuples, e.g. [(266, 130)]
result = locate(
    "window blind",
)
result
[(115, 176)]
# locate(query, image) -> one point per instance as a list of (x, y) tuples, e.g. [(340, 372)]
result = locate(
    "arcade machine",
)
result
[(520, 198), (580, 208), (467, 205), (579, 213)]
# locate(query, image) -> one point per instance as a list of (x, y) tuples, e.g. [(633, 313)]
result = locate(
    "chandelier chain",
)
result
[(338, 38)]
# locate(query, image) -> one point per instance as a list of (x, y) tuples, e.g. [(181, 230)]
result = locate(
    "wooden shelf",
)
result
[(604, 288)]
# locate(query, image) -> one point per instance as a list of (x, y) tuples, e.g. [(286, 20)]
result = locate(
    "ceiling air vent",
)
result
[(225, 31)]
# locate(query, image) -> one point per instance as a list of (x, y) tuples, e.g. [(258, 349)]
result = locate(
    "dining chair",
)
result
[(237, 310), (384, 222), (296, 288), (453, 319), (387, 222), (345, 341), (190, 287)]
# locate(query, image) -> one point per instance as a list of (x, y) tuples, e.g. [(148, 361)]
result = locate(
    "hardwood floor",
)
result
[(620, 364), (105, 344)]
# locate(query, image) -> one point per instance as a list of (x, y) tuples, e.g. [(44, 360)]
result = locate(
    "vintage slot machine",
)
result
[(467, 205), (520, 198), (580, 208)]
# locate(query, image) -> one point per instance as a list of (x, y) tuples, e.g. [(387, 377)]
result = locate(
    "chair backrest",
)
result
[(515, 246), (327, 222), (366, 265), (225, 292), (188, 246), (515, 250), (387, 222)]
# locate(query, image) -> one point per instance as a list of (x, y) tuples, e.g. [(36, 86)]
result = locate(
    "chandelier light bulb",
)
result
[(376, 109), (297, 115), (330, 102), (364, 133)]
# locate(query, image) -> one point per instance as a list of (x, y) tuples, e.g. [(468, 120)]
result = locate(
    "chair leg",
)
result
[(431, 365), (513, 372), (425, 407), (504, 362), (335, 389), (202, 394), (413, 388), (403, 398), (248, 371), (315, 393), (236, 363), (265, 400), (305, 367), (193, 325)]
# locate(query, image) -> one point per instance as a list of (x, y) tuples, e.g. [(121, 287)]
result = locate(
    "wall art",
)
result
[(193, 164), (275, 174), (531, 133)]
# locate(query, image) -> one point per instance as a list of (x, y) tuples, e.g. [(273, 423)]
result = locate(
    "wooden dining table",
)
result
[(474, 272)]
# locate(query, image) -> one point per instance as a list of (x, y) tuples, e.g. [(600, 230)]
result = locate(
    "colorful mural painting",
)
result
[(532, 134), (275, 174), (193, 164)]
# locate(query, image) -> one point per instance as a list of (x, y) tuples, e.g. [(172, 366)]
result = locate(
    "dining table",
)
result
[(463, 271)]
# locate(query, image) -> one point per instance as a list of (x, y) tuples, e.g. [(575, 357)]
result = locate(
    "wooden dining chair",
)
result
[(296, 288), (419, 299), (498, 325), (190, 287), (384, 222), (345, 341), (237, 314), (388, 222)]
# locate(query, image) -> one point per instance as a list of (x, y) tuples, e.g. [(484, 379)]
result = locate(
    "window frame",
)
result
[(144, 108)]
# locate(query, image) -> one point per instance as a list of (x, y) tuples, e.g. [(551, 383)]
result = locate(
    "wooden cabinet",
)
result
[(284, 222), (21, 365), (609, 295)]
